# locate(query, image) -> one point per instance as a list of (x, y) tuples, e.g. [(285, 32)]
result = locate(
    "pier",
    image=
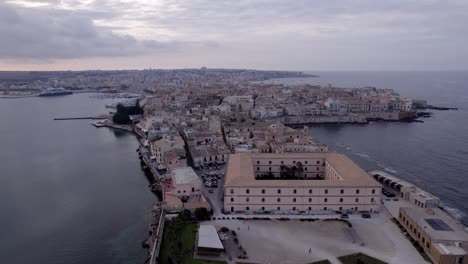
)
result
[(82, 118)]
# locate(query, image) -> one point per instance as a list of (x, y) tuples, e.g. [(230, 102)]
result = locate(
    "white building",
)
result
[(185, 182), (208, 242)]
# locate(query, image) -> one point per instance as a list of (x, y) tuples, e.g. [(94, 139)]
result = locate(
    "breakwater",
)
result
[(79, 118)]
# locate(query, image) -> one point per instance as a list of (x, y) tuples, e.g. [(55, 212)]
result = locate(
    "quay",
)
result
[(154, 242), (145, 158), (158, 215), (81, 118), (126, 128)]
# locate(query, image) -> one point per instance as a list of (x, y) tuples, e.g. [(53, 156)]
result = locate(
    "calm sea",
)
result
[(69, 193), (433, 154)]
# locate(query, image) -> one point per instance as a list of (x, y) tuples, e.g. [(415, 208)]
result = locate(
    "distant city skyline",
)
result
[(273, 35)]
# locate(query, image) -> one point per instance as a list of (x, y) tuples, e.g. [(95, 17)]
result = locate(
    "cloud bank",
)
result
[(301, 34)]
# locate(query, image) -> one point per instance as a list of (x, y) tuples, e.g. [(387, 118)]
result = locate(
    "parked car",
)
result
[(366, 215), (211, 191), (344, 216), (387, 193)]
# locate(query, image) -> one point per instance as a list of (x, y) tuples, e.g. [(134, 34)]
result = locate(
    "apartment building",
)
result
[(297, 183), (185, 182)]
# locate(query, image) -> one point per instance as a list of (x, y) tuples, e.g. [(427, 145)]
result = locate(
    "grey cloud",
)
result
[(56, 34), (279, 33), (227, 17)]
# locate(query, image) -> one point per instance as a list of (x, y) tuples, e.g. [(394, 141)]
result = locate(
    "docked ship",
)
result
[(55, 92)]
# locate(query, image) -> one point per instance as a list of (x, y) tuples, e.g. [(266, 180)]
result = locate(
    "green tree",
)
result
[(202, 214), (121, 118)]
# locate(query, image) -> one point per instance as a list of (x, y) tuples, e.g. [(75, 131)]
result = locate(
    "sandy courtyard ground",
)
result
[(277, 241)]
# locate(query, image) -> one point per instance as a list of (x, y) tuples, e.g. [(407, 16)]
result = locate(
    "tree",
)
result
[(130, 110), (202, 214), (121, 118), (185, 215)]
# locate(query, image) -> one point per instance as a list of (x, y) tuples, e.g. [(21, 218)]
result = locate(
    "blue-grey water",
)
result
[(433, 154), (69, 193)]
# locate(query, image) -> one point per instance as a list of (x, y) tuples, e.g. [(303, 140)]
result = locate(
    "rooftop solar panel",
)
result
[(438, 224)]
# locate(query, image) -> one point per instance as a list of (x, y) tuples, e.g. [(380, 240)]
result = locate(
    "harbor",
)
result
[(82, 189)]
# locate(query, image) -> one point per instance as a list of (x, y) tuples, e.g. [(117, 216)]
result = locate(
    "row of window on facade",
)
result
[(294, 200), (414, 230), (211, 158), (305, 174), (193, 189), (247, 191), (294, 162), (418, 203), (305, 168), (247, 208)]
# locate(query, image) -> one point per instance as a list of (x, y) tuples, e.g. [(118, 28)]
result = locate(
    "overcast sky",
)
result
[(283, 35)]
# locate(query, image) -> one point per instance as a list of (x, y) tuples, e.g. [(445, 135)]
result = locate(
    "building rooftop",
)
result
[(391, 178), (240, 171), (184, 175), (401, 185), (437, 224), (450, 249), (208, 237)]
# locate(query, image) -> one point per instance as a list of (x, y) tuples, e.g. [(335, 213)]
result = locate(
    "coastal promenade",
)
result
[(157, 235)]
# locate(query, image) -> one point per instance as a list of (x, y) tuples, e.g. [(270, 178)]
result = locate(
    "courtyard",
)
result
[(308, 241)]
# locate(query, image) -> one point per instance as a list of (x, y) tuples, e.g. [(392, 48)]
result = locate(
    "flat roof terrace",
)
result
[(240, 171), (184, 175), (208, 238), (437, 224)]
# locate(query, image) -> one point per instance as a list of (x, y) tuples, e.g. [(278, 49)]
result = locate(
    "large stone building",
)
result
[(298, 182)]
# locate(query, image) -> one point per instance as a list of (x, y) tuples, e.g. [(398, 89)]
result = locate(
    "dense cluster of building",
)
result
[(201, 121), (272, 168), (133, 80)]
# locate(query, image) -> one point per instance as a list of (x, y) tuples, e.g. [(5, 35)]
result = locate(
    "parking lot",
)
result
[(212, 185), (295, 241)]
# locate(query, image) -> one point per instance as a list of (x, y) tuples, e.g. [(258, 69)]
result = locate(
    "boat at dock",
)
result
[(55, 92), (99, 123)]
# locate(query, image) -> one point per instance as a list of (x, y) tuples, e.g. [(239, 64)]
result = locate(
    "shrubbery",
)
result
[(121, 119), (202, 214)]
